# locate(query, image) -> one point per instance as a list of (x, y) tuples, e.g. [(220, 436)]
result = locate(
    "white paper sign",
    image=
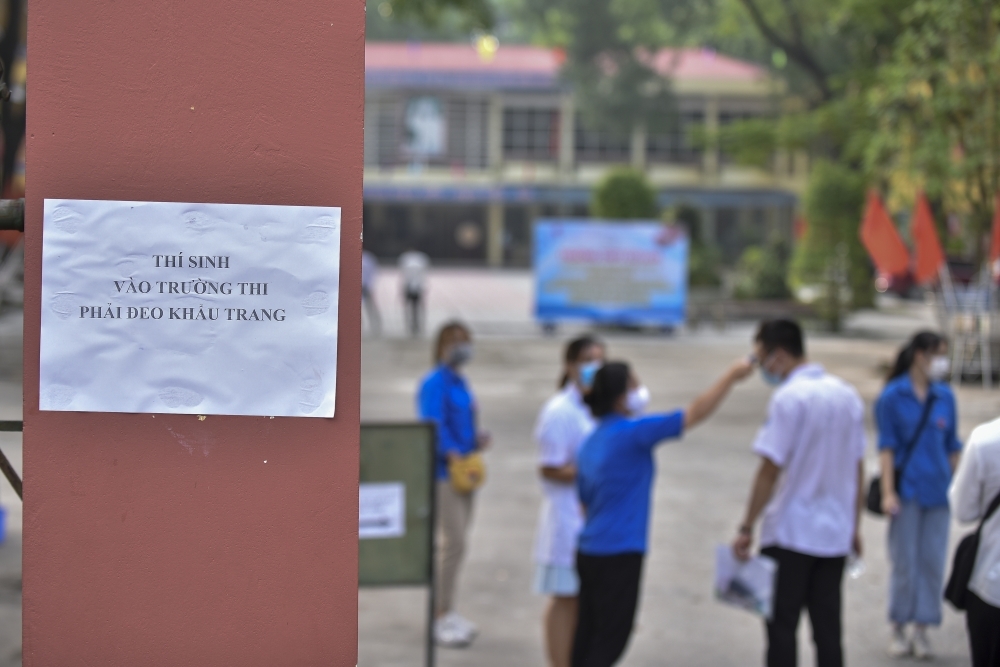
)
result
[(382, 509), (189, 308)]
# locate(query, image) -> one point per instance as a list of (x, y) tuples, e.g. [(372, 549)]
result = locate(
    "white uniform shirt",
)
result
[(976, 482), (814, 432), (563, 425), (413, 266)]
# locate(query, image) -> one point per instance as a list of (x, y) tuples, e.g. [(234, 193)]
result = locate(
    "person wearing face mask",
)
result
[(445, 399), (614, 480), (918, 451), (808, 489), (564, 423)]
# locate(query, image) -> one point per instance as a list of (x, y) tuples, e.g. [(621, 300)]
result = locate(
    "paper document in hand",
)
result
[(745, 584)]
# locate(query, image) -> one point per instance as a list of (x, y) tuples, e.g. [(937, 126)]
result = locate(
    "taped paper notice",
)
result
[(382, 509), (189, 308)]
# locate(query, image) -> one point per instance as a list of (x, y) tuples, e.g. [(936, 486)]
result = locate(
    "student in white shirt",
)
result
[(808, 490), (563, 425), (976, 484), (413, 266)]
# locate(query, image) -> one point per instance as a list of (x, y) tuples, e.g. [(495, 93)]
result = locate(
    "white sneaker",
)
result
[(465, 624), (921, 645), (899, 645), (450, 631)]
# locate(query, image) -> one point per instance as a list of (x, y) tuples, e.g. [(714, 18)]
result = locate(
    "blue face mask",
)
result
[(768, 377), (587, 373)]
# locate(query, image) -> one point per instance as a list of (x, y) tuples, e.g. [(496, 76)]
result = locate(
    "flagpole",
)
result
[(985, 344), (951, 324)]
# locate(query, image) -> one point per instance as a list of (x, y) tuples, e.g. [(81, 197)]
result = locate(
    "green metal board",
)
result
[(400, 454)]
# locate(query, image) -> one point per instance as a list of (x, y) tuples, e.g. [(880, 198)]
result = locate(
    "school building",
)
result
[(464, 152)]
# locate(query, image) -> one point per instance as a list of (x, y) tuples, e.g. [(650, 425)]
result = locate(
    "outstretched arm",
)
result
[(705, 405)]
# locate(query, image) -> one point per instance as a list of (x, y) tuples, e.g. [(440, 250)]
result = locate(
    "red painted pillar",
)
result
[(139, 550)]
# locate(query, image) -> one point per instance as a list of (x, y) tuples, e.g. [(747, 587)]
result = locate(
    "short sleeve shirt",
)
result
[(615, 472), (563, 425), (928, 472), (445, 399), (815, 433)]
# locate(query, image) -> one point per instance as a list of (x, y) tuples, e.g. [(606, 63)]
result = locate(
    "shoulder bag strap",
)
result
[(928, 404), (990, 511)]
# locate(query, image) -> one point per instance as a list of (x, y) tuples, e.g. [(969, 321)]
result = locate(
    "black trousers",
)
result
[(814, 584), (609, 593), (983, 622), (414, 311)]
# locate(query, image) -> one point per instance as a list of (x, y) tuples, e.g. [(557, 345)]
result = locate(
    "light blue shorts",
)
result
[(556, 580)]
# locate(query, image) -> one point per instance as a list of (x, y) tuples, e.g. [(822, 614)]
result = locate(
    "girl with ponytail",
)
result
[(918, 452)]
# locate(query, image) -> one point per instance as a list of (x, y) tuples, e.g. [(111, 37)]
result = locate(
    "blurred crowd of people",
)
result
[(596, 443)]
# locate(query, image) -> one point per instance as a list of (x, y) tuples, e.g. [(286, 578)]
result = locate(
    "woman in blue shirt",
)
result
[(445, 399), (923, 451), (615, 472)]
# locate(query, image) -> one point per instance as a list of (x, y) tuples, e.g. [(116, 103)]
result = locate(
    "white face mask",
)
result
[(939, 368), (637, 400)]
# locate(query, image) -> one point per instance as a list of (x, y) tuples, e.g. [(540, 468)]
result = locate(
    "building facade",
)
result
[(463, 152)]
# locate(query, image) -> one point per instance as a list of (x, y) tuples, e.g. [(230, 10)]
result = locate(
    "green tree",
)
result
[(450, 19), (831, 253), (624, 194), (937, 105)]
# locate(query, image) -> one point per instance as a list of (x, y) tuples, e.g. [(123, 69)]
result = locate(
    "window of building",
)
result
[(531, 134), (677, 145), (600, 146)]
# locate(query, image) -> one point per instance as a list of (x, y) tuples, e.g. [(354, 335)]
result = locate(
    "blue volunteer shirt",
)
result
[(615, 480), (444, 398), (897, 412)]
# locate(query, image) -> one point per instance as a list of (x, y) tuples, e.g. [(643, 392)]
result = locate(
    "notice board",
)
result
[(613, 272), (397, 475)]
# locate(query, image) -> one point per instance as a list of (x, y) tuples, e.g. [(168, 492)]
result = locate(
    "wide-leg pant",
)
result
[(918, 549)]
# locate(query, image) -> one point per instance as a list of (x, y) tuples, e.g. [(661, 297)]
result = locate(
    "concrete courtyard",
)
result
[(701, 488), (700, 492)]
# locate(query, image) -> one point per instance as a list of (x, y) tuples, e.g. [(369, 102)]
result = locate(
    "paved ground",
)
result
[(700, 491), (10, 443)]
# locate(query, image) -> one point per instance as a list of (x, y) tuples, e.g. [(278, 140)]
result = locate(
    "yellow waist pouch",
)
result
[(467, 473)]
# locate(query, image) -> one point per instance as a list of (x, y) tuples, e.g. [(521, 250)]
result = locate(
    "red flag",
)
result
[(930, 256), (799, 227), (881, 239), (995, 242)]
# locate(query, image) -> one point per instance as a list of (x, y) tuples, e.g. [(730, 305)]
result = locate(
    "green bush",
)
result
[(624, 194), (703, 266), (762, 272)]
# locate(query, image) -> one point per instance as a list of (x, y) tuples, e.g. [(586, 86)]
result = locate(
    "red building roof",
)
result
[(403, 63)]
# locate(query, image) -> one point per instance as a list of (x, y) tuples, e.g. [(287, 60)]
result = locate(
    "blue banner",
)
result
[(627, 273)]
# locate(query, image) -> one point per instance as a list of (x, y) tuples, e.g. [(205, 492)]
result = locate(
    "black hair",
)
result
[(781, 335), (610, 384), (574, 349), (925, 341)]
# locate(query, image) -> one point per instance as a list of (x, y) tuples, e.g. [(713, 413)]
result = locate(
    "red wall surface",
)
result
[(165, 540)]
